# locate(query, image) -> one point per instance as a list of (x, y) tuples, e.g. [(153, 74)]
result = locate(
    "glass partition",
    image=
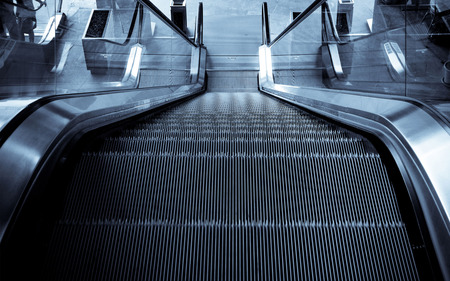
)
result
[(428, 51), (85, 46), (401, 53), (167, 60), (395, 47), (369, 51), (296, 58)]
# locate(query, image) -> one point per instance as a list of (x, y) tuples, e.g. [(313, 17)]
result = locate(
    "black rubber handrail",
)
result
[(59, 7), (314, 6), (326, 10), (311, 8), (336, 34), (141, 22), (130, 31), (265, 25), (149, 5), (199, 27)]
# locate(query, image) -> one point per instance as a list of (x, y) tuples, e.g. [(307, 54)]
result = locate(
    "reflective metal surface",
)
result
[(133, 65), (54, 25), (10, 108)]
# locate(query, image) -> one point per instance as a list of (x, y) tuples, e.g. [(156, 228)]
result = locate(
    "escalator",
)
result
[(175, 182), (224, 186)]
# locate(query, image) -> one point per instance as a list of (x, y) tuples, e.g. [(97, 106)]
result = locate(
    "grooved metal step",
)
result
[(230, 186)]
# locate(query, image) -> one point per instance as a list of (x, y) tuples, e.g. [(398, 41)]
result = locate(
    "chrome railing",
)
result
[(167, 21), (265, 25), (198, 36), (300, 18)]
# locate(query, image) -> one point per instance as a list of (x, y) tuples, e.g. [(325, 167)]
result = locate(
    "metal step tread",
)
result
[(230, 186)]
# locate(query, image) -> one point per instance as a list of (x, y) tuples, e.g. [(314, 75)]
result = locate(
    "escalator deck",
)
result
[(230, 186)]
